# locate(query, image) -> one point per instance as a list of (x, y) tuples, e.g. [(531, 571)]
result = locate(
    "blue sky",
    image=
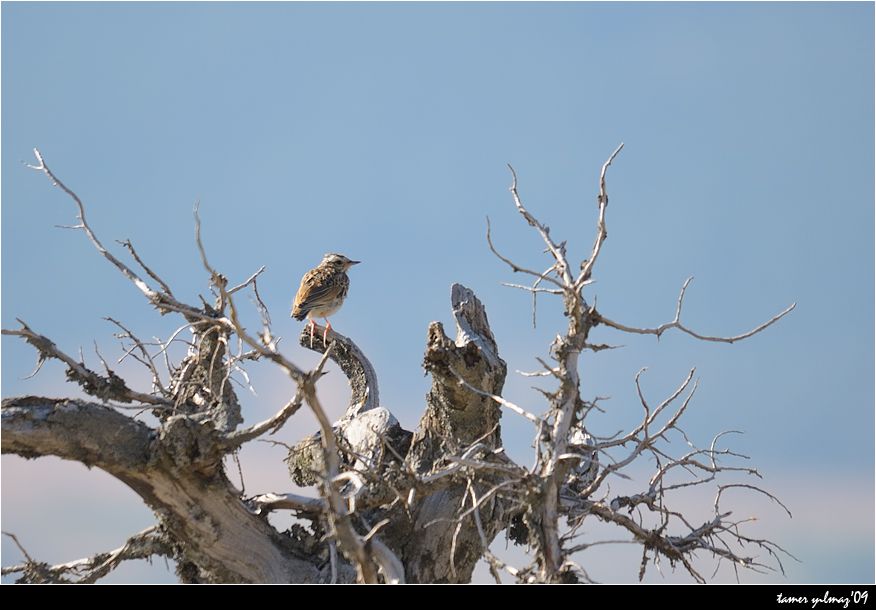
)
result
[(382, 131)]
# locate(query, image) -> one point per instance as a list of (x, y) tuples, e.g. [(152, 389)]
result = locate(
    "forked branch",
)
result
[(601, 232), (676, 323)]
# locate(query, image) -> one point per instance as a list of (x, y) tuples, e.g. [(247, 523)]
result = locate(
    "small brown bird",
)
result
[(322, 291)]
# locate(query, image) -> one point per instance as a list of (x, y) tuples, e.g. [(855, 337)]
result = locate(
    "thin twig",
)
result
[(127, 244), (505, 403), (676, 323), (514, 266), (110, 387), (250, 280), (601, 233)]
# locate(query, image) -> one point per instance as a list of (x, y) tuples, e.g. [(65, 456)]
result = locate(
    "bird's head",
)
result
[(338, 260)]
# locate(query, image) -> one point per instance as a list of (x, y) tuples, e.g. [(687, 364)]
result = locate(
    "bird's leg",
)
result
[(312, 326), (328, 327)]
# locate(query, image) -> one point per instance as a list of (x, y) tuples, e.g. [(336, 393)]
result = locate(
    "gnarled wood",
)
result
[(365, 427), (455, 416), (365, 394), (425, 535), (434, 542), (176, 471), (395, 505)]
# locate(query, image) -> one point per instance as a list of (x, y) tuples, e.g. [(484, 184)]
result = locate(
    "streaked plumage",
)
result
[(322, 291)]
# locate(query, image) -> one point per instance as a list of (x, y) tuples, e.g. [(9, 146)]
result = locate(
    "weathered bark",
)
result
[(416, 507), (84, 432), (143, 545), (365, 428), (423, 535), (369, 441), (455, 416), (176, 471), (364, 391), (202, 383), (433, 541)]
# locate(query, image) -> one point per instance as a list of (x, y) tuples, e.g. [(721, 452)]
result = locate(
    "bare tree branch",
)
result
[(601, 233), (676, 323), (127, 244), (364, 390), (723, 488), (400, 507), (145, 358), (163, 300), (250, 280), (350, 542), (266, 503), (272, 425), (392, 569), (109, 387), (514, 266), (505, 403), (75, 430), (558, 251), (147, 543)]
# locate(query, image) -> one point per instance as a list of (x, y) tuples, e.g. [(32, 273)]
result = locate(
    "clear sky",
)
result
[(382, 131)]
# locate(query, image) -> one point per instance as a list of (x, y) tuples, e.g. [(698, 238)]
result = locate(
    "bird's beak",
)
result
[(354, 263)]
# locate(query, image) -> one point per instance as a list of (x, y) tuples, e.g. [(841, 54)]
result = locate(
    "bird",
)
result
[(322, 291)]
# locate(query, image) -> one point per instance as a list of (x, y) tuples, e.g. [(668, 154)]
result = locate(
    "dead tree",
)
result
[(392, 505)]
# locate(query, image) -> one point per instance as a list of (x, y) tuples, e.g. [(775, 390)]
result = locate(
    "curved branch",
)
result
[(174, 470), (390, 565), (126, 271), (365, 394), (337, 515), (723, 488), (515, 267), (74, 430), (238, 438), (558, 251), (676, 323), (164, 301)]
